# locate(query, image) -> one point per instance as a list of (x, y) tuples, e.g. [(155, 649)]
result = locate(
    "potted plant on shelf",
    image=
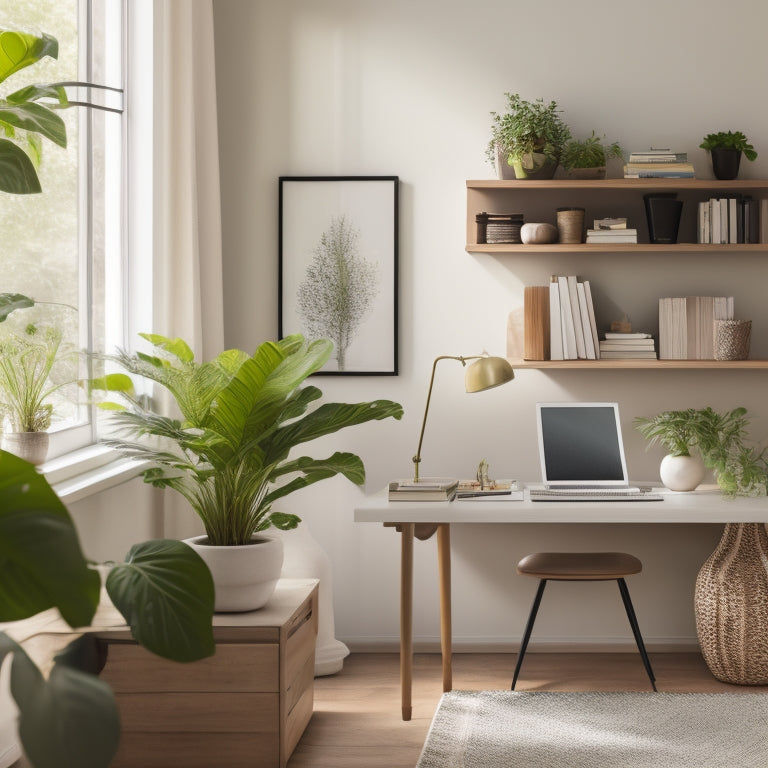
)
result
[(528, 139), (588, 159), (163, 590), (726, 148), (719, 440), (228, 454)]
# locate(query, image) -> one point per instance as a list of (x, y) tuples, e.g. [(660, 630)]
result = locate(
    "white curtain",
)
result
[(187, 278)]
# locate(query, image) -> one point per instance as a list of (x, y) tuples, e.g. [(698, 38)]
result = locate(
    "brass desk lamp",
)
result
[(485, 373)]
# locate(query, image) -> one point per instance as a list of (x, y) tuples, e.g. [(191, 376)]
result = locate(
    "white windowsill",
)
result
[(90, 470)]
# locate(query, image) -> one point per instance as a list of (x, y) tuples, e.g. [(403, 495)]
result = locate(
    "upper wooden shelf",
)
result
[(626, 184), (667, 365), (613, 248)]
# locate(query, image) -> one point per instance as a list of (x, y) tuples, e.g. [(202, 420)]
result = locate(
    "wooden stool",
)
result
[(581, 566)]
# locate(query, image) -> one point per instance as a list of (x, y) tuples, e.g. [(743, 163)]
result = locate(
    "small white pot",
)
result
[(30, 446), (244, 576), (681, 473)]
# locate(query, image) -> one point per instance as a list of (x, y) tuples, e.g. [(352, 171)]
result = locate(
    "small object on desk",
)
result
[(497, 490), (425, 489)]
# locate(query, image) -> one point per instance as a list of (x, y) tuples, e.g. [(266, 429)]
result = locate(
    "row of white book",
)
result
[(732, 219), (572, 329), (687, 325)]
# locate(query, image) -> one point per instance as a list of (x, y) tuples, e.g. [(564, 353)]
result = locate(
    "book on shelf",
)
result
[(615, 223), (731, 219), (536, 343), (669, 170), (592, 323), (555, 322), (566, 319), (629, 354), (687, 325), (624, 335), (658, 156), (578, 328), (627, 346), (590, 351), (612, 235), (426, 489)]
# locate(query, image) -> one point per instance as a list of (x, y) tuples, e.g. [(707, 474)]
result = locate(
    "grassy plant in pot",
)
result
[(726, 148), (527, 139), (588, 159), (228, 453)]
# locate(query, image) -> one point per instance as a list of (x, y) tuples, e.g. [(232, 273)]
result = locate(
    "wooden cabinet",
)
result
[(245, 707), (538, 201)]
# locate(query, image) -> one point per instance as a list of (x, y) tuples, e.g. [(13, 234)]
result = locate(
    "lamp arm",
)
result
[(417, 457)]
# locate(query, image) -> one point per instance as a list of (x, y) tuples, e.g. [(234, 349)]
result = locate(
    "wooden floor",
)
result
[(357, 724)]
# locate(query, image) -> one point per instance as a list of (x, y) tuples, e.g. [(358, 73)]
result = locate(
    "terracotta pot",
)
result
[(244, 576), (731, 602)]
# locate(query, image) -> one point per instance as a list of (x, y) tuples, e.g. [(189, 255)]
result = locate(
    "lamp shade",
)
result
[(486, 373)]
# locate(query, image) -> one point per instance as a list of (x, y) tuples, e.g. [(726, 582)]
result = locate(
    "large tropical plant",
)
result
[(163, 590), (240, 418), (23, 119)]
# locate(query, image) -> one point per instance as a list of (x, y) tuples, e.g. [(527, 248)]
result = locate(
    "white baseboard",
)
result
[(541, 645)]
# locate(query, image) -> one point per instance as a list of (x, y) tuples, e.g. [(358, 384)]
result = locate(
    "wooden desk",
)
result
[(422, 519)]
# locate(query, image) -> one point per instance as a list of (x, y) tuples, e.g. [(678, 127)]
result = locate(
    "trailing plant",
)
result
[(590, 153), (163, 590), (741, 469), (528, 128), (729, 140), (241, 416)]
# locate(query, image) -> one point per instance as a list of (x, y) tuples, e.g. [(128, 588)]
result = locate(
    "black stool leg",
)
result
[(636, 630), (528, 630)]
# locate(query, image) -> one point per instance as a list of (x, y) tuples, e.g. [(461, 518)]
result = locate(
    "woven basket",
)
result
[(570, 225), (732, 339), (731, 602)]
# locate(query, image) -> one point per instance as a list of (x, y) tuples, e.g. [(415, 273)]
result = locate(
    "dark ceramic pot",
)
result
[(725, 163)]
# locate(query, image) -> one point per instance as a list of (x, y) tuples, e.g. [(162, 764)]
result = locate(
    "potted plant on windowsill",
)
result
[(228, 454), (588, 159), (528, 139), (726, 148)]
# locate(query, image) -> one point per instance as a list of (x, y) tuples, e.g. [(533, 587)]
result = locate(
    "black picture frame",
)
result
[(338, 237)]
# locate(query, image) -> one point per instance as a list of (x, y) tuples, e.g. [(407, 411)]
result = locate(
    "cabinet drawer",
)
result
[(234, 667), (199, 712)]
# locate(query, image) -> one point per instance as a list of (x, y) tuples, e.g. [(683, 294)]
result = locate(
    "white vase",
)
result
[(30, 446), (244, 576), (681, 473)]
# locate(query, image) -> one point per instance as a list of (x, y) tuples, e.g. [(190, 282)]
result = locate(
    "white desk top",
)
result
[(701, 506)]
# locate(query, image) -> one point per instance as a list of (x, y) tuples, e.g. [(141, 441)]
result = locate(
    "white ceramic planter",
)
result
[(681, 473), (244, 576), (30, 446)]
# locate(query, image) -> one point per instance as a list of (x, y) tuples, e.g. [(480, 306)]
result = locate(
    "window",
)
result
[(64, 247)]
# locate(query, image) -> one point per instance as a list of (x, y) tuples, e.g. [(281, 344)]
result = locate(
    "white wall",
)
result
[(314, 87)]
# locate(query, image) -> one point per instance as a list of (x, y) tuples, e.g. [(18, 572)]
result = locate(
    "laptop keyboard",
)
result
[(592, 494)]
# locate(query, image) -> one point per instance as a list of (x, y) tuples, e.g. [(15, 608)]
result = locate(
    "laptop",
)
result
[(582, 454)]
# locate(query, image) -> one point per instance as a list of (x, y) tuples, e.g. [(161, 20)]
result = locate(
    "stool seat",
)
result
[(579, 566)]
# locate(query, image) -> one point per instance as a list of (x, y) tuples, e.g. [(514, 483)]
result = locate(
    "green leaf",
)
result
[(37, 92), (165, 592), (35, 117), (177, 347), (40, 556), (20, 49), (112, 382), (17, 172), (69, 720), (12, 301)]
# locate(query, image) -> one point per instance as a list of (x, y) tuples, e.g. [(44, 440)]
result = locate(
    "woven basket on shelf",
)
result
[(732, 339)]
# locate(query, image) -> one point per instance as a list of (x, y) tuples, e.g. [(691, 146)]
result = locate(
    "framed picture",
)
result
[(338, 268)]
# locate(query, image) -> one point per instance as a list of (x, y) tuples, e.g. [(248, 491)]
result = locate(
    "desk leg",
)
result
[(444, 565), (406, 617)]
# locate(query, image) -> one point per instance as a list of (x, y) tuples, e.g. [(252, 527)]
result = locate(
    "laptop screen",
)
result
[(580, 444)]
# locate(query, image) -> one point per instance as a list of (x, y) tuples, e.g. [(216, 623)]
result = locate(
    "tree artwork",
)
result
[(339, 288)]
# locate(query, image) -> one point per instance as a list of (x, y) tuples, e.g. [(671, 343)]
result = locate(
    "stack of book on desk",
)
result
[(658, 164), (427, 489), (624, 346)]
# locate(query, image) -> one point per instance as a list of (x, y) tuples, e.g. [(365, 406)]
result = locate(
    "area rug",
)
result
[(510, 729)]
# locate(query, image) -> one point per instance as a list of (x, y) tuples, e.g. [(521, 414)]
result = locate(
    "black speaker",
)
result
[(663, 213)]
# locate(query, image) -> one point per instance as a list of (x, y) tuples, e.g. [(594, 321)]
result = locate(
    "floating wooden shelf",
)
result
[(665, 365)]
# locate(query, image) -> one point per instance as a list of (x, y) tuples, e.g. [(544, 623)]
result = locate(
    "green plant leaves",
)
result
[(17, 173), (40, 557), (165, 593), (12, 301), (20, 49), (69, 720)]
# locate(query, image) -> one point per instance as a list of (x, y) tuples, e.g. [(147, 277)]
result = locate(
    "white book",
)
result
[(566, 317), (733, 220), (630, 335), (581, 351), (714, 217), (592, 323), (723, 220), (679, 329), (555, 323), (590, 351)]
